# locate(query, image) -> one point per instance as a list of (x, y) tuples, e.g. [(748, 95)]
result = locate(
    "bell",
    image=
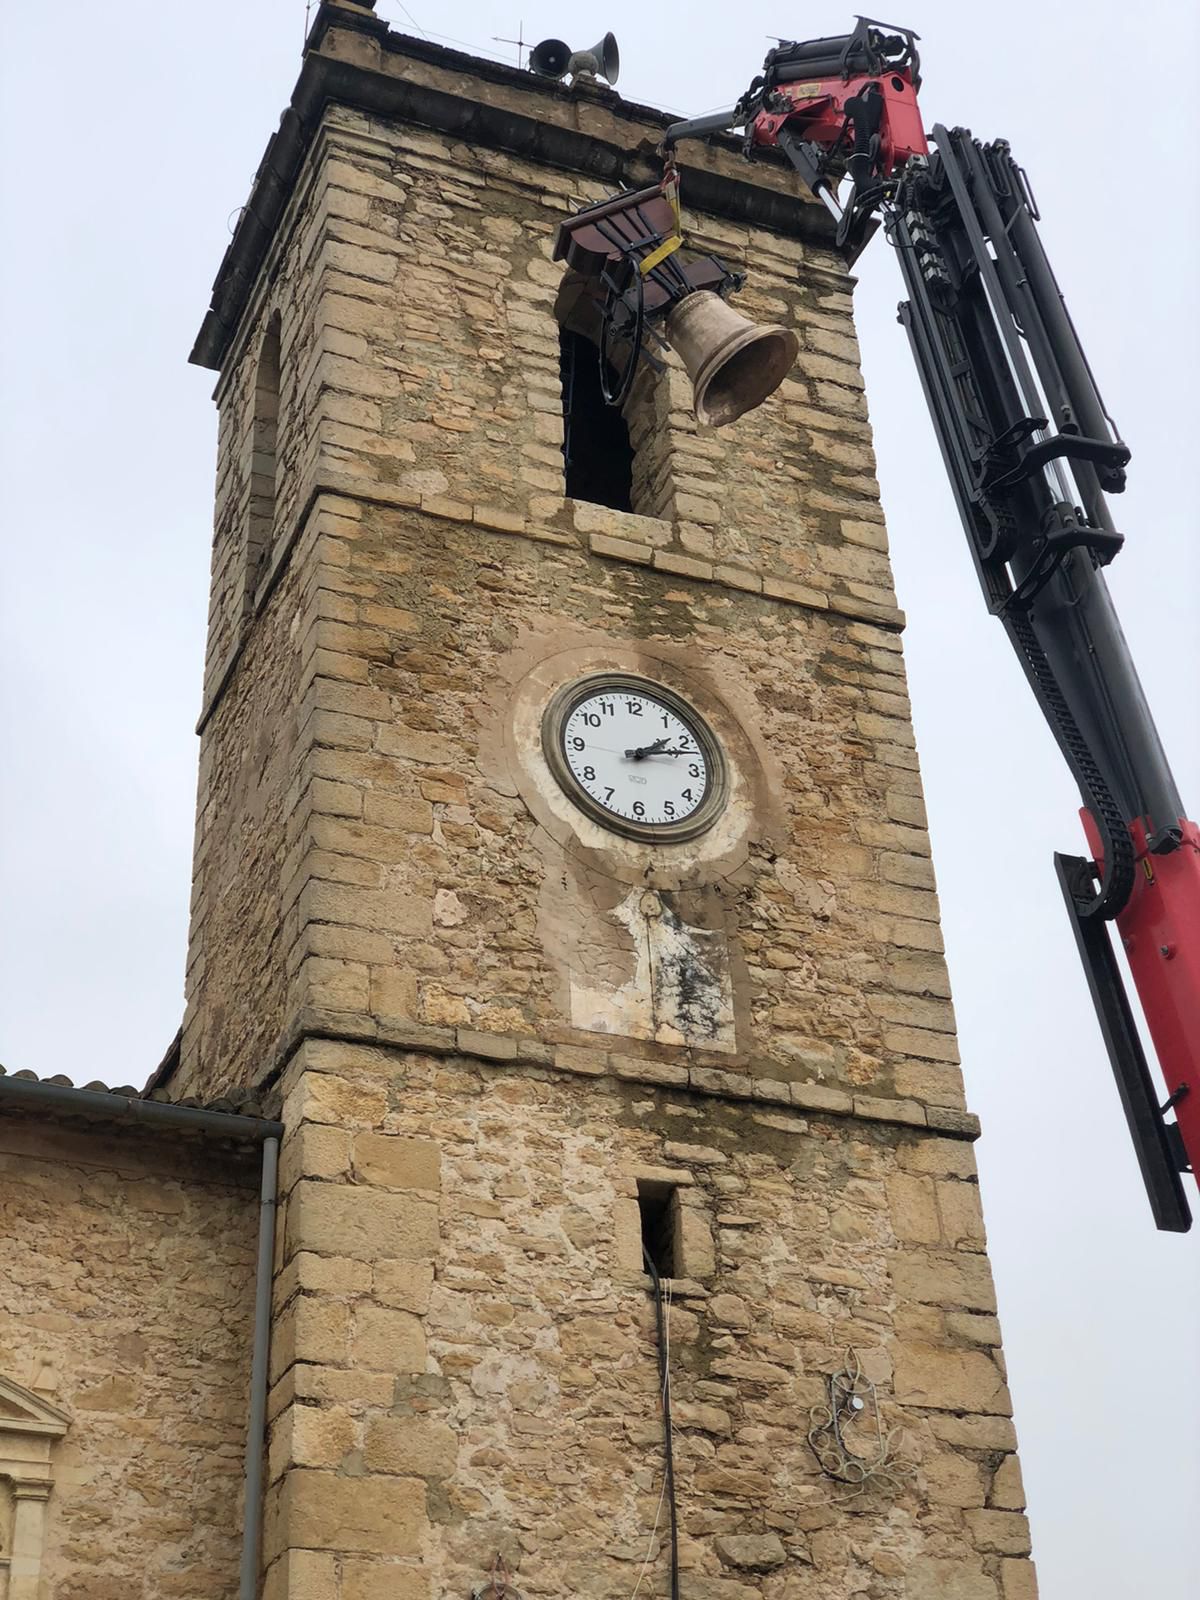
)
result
[(732, 362)]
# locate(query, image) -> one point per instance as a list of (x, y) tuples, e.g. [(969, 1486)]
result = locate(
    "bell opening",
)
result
[(746, 378)]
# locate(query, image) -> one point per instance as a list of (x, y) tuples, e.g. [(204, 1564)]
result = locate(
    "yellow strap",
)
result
[(672, 242), (660, 253)]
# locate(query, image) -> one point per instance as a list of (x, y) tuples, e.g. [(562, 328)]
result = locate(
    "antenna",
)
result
[(520, 42)]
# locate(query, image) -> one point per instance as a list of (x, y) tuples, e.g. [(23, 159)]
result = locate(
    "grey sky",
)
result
[(131, 133)]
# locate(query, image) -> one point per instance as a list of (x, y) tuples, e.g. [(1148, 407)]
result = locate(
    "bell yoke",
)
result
[(1031, 452)]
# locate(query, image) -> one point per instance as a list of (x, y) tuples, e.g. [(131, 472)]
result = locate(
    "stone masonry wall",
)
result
[(465, 1358), (422, 894), (127, 1266), (421, 322)]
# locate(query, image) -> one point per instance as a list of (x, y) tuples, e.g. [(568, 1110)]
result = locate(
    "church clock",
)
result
[(635, 756)]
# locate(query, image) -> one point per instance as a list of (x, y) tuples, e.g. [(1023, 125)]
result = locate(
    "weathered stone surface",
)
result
[(362, 1223), (397, 1163), (412, 1447), (1008, 1491), (949, 1380), (760, 1551), (383, 1515), (954, 1281), (930, 1578), (1003, 1532), (1019, 1580), (387, 1340)]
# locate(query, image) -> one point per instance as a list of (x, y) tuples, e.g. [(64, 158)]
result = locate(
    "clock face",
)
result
[(635, 756)]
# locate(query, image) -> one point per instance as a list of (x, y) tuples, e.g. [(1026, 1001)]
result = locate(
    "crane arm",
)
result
[(1032, 456)]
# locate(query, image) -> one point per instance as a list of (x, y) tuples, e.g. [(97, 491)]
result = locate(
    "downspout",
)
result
[(256, 1426)]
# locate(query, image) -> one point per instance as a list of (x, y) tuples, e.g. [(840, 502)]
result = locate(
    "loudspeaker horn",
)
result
[(732, 362), (554, 59), (550, 58)]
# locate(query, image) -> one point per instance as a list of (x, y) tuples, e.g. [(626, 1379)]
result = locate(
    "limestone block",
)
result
[(818, 1097), (707, 1418), (954, 1280), (408, 814), (949, 1379), (693, 1154), (952, 1480), (313, 1150), (394, 1162), (343, 1386), (913, 1207), (738, 1483), (377, 1580), (962, 1214), (950, 1158), (381, 1515), (386, 1340), (973, 1327), (302, 1575), (925, 1080), (697, 1253), (730, 1310), (1019, 1579), (406, 1285), (393, 990), (309, 1329), (411, 1446), (1003, 1533), (317, 1275), (930, 1578), (1008, 1490), (759, 1551), (594, 1337), (387, 910), (312, 1436), (976, 1433), (344, 1102), (365, 1224)]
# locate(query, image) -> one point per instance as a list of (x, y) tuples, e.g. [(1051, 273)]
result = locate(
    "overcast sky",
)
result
[(130, 135)]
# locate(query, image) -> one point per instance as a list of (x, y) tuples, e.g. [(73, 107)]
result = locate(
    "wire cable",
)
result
[(662, 1323)]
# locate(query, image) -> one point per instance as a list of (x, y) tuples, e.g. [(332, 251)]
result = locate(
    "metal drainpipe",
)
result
[(256, 1426)]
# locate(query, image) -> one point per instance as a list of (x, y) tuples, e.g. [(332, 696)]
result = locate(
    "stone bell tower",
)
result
[(522, 1032)]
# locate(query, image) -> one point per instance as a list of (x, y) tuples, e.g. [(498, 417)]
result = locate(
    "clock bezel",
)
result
[(554, 722)]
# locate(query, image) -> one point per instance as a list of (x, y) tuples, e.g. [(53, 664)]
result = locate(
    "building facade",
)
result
[(522, 1046)]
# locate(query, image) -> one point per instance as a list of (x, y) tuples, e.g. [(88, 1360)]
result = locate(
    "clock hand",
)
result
[(648, 749)]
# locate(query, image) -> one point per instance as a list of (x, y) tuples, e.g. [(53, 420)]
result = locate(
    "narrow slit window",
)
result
[(263, 462), (659, 1207), (597, 454)]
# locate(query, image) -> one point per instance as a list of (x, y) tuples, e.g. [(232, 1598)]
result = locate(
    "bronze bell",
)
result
[(732, 362)]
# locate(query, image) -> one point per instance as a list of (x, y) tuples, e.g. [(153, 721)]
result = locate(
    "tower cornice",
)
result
[(353, 60)]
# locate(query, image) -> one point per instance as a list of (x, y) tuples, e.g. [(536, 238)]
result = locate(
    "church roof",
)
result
[(239, 1115)]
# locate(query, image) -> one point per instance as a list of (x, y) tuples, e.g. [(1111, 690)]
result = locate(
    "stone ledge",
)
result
[(606, 542), (594, 1061)]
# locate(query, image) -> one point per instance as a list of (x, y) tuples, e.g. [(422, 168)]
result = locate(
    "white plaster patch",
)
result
[(448, 909), (672, 984)]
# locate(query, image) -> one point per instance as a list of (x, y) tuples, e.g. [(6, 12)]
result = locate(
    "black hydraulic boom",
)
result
[(1032, 455)]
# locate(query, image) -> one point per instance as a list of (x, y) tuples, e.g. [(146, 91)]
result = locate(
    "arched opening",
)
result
[(597, 455), (263, 464)]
